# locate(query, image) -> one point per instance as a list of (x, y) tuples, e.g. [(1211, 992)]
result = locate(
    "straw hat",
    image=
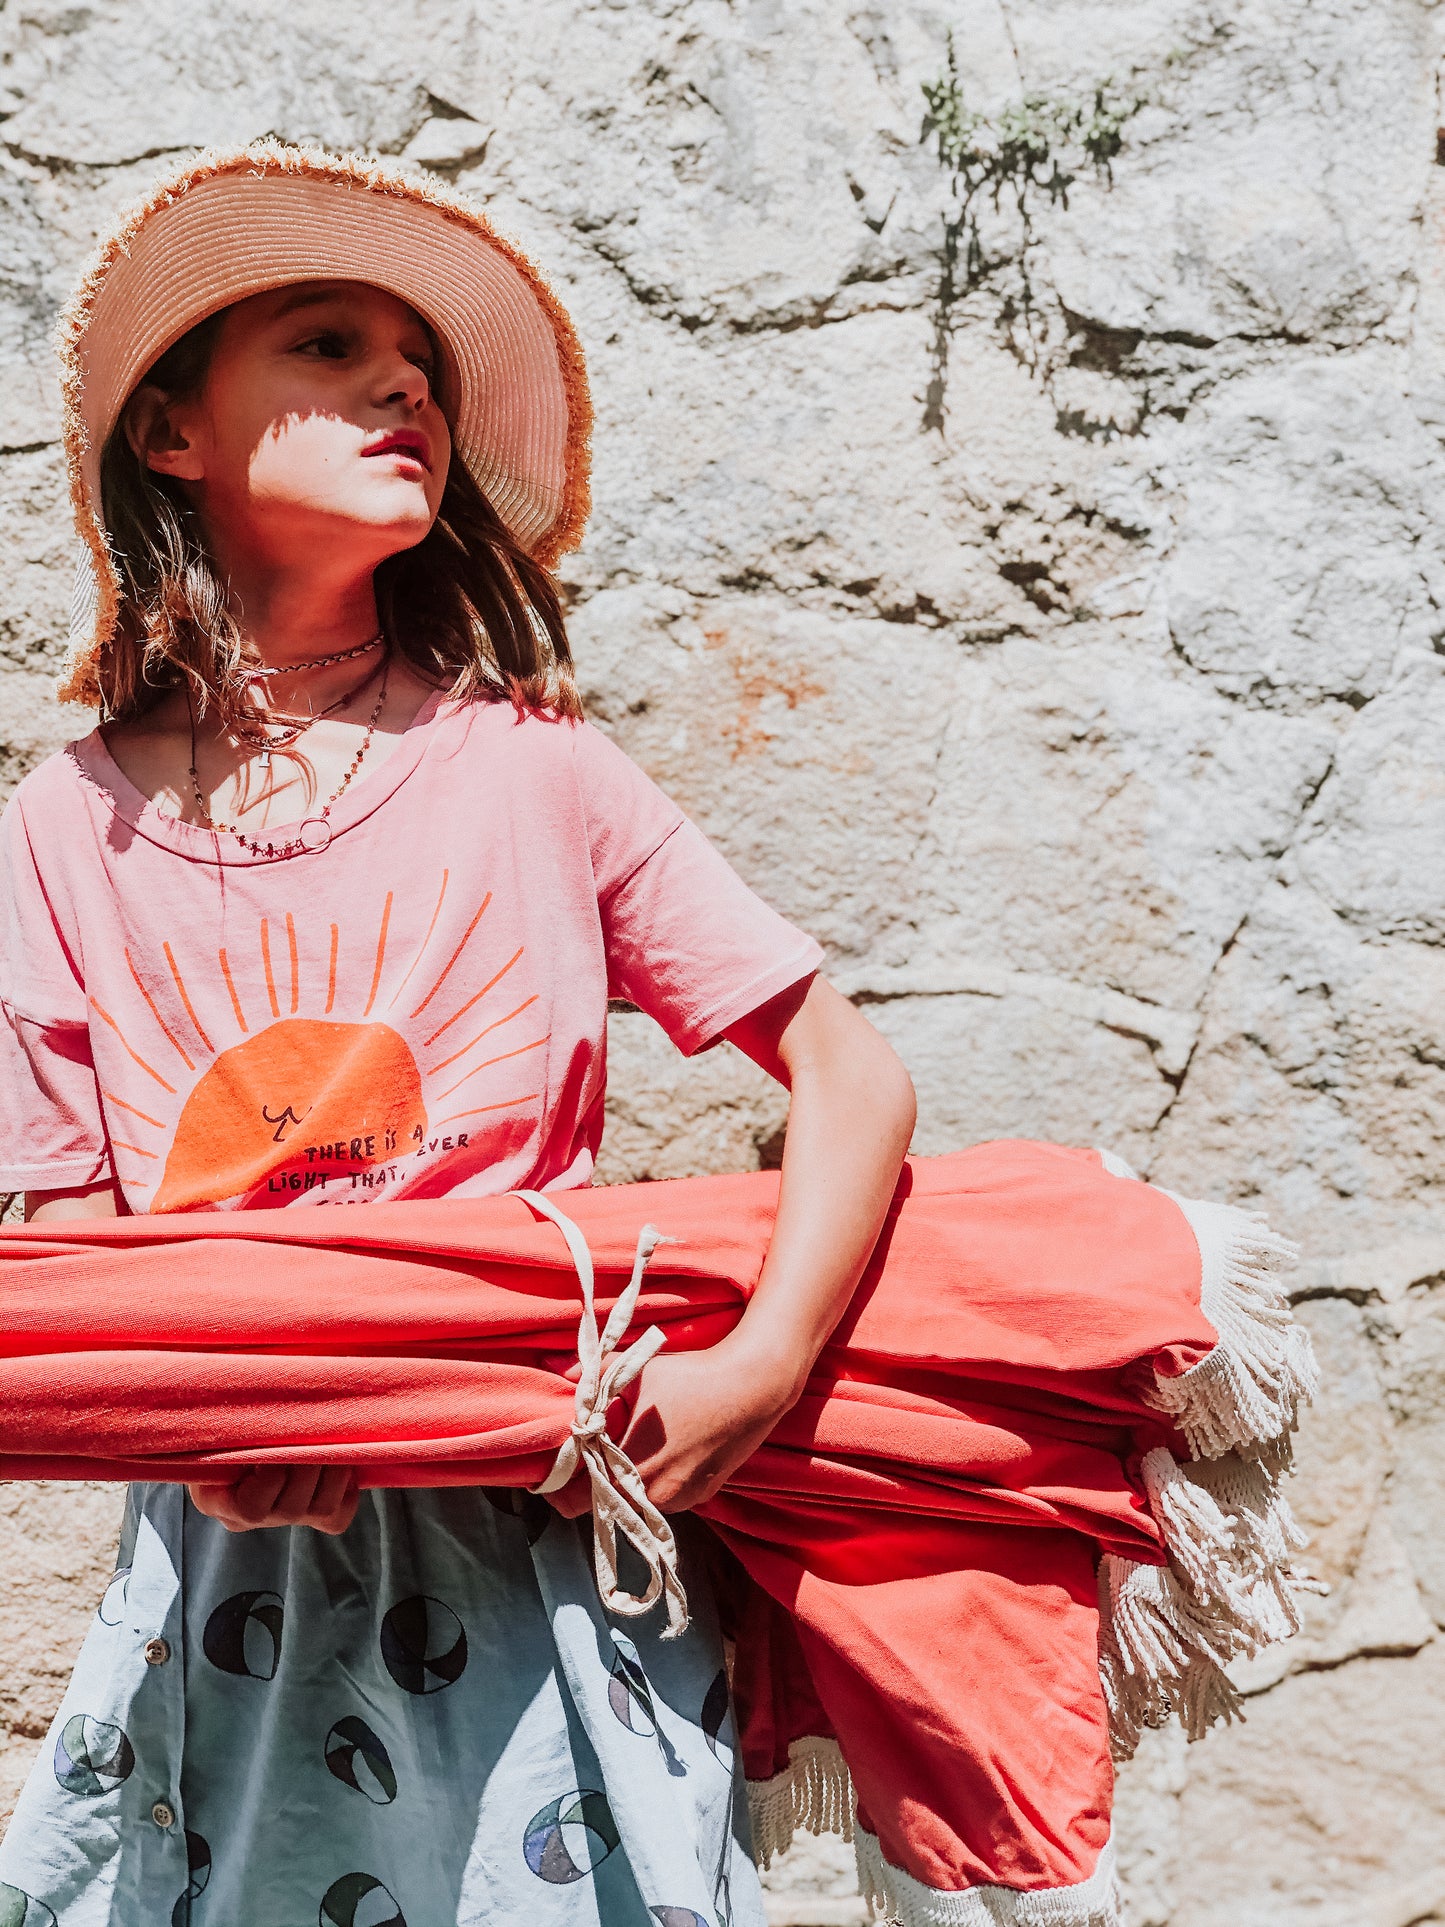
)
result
[(232, 223)]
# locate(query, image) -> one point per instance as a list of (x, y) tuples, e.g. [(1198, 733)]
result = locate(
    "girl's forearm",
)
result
[(80, 1201), (849, 1124)]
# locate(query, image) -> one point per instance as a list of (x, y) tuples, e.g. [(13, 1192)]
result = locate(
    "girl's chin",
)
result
[(396, 503), (392, 514), (381, 512)]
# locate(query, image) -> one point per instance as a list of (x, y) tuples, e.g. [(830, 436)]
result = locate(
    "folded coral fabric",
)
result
[(999, 1434)]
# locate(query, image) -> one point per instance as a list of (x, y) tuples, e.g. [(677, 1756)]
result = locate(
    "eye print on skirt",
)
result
[(198, 1866), (92, 1756), (19, 1909), (535, 1513), (423, 1645), (356, 1756), (243, 1635), (359, 1900), (630, 1697), (628, 1693), (569, 1837), (716, 1708), (109, 1612)]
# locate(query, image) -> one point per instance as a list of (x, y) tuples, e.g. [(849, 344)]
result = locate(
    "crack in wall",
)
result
[(1201, 1002)]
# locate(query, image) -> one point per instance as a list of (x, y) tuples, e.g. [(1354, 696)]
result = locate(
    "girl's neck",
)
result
[(292, 618)]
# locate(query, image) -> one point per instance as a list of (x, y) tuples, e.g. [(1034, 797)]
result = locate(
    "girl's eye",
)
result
[(328, 345)]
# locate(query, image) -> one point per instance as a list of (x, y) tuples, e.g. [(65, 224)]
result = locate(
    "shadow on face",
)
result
[(316, 419)]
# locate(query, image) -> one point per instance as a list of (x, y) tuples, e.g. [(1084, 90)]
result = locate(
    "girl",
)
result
[(328, 910)]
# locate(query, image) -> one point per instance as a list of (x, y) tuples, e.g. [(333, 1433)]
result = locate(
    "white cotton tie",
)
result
[(619, 1498)]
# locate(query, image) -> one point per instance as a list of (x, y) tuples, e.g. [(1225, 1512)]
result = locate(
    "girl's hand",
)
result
[(698, 1416), (323, 1496)]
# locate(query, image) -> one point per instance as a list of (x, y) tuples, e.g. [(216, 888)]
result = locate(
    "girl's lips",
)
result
[(403, 441)]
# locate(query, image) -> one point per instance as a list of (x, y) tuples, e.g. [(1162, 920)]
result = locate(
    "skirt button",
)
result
[(157, 1652), (163, 1815)]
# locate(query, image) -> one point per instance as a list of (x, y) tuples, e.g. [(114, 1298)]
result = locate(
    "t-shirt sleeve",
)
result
[(687, 941), (52, 1134)]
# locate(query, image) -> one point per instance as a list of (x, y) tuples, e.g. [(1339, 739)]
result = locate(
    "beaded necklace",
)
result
[(314, 834)]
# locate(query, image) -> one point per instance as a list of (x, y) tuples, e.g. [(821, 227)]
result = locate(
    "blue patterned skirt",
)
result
[(428, 1721)]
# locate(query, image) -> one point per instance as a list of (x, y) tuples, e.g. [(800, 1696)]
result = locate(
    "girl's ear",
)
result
[(156, 429)]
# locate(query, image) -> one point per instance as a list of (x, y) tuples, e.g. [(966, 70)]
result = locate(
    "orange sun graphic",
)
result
[(355, 1085), (301, 1100)]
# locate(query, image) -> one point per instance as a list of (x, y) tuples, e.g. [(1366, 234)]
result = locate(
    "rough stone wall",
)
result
[(1061, 644)]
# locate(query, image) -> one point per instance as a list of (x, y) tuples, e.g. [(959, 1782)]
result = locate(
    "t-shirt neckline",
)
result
[(360, 800)]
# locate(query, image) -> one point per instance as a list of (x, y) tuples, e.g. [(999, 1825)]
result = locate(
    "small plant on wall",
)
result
[(1030, 152)]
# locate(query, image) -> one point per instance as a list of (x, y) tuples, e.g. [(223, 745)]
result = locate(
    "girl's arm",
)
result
[(700, 1414), (80, 1201)]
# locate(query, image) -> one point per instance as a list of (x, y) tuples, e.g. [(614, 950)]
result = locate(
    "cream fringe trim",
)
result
[(812, 1794), (889, 1891), (1246, 1394), (1231, 1586)]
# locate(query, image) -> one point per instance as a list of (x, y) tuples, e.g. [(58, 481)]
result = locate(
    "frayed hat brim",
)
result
[(232, 223)]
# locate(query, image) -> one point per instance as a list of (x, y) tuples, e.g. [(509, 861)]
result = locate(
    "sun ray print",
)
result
[(421, 947), (134, 1110), (490, 984), (380, 955), (323, 1094), (165, 1028), (185, 997), (457, 1055), (130, 1050), (458, 1117), (487, 1063), (231, 987), (485, 1031), (295, 966), (266, 965), (452, 959)]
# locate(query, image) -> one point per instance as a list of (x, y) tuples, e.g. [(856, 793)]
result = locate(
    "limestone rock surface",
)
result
[(1060, 637)]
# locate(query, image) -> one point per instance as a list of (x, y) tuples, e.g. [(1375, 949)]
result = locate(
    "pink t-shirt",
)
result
[(418, 1009)]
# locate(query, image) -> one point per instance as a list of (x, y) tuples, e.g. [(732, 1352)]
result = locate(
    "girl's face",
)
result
[(316, 424)]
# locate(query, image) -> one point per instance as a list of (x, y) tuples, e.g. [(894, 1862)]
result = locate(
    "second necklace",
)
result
[(314, 833)]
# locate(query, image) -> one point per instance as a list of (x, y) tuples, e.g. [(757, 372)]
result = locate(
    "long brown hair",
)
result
[(467, 606)]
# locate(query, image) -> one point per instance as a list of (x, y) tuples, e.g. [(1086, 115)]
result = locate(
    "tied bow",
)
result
[(619, 1498)]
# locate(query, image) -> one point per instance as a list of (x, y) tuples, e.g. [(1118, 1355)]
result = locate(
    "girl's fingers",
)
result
[(324, 1496), (213, 1500), (219, 1502), (262, 1497), (334, 1505), (331, 1489)]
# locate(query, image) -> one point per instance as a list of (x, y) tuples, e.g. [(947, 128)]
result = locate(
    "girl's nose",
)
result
[(403, 381)]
